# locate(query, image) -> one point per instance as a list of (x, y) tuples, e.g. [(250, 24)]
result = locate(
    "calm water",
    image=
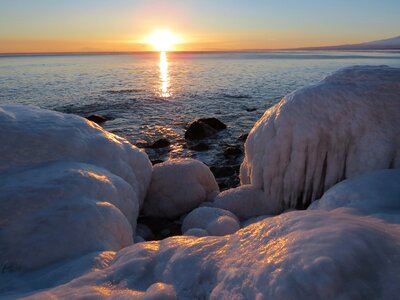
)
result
[(152, 96)]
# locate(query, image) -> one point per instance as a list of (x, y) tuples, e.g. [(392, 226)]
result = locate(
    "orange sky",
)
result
[(123, 25)]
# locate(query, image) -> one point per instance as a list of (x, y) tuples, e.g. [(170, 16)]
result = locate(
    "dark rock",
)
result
[(161, 227), (243, 137), (233, 151), (97, 119), (156, 161), (223, 171), (213, 122), (200, 147), (199, 130), (236, 168), (161, 143), (250, 109), (203, 128)]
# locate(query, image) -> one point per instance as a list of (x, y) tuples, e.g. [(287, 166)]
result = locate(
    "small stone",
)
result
[(98, 119), (161, 143), (243, 137), (250, 109)]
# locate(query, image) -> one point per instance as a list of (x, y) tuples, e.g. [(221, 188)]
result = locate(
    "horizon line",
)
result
[(60, 53)]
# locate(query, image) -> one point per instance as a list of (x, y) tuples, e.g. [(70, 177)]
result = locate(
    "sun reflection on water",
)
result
[(164, 76)]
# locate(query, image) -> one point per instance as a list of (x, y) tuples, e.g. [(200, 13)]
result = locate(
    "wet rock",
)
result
[(223, 171), (161, 143), (156, 161), (243, 137), (250, 109), (213, 122), (200, 147), (233, 151), (99, 119), (161, 227), (203, 128)]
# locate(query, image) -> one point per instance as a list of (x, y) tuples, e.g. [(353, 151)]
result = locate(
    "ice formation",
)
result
[(215, 221), (297, 255), (178, 186), (371, 193), (346, 125), (67, 188)]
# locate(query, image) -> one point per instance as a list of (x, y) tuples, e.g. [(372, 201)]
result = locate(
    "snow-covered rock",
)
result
[(31, 136), (244, 202), (371, 193), (67, 188), (214, 221), (310, 254), (344, 126), (178, 186)]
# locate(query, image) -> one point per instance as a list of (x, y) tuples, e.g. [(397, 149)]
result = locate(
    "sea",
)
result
[(148, 96)]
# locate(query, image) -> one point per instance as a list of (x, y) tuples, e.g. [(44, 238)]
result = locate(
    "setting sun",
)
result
[(163, 40)]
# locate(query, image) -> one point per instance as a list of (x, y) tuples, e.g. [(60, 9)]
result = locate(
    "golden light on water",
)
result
[(164, 76)]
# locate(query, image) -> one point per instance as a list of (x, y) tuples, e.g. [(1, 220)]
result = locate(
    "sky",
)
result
[(200, 25)]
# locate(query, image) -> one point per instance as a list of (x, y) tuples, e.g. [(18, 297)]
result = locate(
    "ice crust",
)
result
[(346, 125)]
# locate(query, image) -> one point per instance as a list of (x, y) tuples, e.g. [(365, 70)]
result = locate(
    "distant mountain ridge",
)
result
[(385, 44)]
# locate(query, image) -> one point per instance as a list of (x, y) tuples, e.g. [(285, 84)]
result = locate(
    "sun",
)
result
[(163, 40)]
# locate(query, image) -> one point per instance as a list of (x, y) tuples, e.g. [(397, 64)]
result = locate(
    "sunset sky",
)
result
[(125, 25)]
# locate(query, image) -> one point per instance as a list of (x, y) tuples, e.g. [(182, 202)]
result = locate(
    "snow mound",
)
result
[(244, 202), (33, 136), (214, 221), (178, 186), (344, 126), (67, 188), (374, 192), (308, 254)]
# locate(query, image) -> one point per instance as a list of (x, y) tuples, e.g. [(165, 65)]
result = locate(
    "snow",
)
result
[(214, 221), (344, 126), (178, 186), (67, 188), (296, 255), (372, 193)]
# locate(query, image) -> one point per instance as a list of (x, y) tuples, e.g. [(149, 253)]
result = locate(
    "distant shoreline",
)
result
[(22, 54)]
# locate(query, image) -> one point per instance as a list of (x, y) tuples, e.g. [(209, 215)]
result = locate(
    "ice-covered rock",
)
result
[(214, 221), (344, 126), (244, 202), (31, 136), (67, 188), (310, 254), (371, 193), (178, 186)]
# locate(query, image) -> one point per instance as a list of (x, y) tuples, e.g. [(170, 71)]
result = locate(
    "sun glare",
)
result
[(163, 40)]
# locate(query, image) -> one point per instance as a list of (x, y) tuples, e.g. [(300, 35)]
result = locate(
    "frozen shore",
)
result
[(317, 214)]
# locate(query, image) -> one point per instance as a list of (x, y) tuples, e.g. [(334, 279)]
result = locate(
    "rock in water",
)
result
[(204, 128), (97, 119), (161, 143), (213, 122), (346, 125)]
